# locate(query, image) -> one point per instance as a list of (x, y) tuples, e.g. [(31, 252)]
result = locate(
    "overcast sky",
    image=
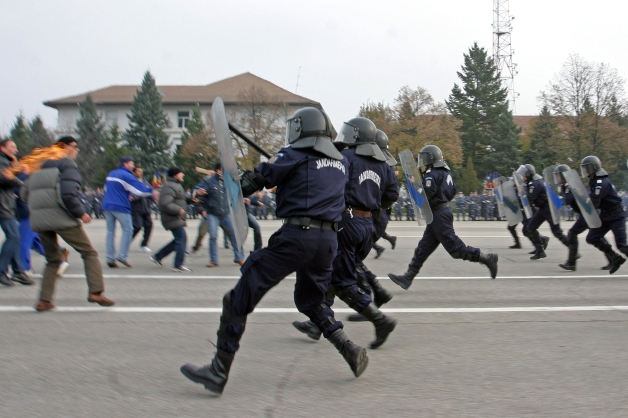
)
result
[(349, 51)]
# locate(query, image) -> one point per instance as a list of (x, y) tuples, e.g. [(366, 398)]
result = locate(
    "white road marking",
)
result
[(156, 309), (186, 277)]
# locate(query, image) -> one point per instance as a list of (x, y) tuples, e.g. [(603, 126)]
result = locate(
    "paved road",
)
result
[(538, 341)]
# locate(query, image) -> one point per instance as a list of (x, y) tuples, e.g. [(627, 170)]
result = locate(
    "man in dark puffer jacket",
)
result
[(53, 199)]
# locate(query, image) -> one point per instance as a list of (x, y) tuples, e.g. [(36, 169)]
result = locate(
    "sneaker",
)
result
[(22, 278), (63, 267), (154, 260), (145, 249), (181, 269), (65, 253), (4, 279)]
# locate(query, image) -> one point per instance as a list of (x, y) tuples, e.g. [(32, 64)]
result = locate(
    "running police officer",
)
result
[(310, 175), (537, 196), (440, 189), (372, 185), (579, 226), (612, 213)]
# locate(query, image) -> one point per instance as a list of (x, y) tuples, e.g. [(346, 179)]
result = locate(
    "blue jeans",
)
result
[(177, 245), (126, 222), (225, 223), (29, 240), (11, 247), (257, 232)]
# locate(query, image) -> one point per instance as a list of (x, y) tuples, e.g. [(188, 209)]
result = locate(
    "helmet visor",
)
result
[(425, 158), (587, 169), (522, 171), (293, 130), (558, 177), (348, 134)]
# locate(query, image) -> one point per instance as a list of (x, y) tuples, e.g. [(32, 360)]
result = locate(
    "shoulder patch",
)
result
[(597, 191), (428, 183), (531, 186), (567, 190)]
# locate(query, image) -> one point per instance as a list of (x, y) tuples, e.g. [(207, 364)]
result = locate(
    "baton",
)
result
[(248, 141)]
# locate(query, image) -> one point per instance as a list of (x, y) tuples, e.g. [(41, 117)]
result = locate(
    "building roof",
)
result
[(228, 89), (524, 122)]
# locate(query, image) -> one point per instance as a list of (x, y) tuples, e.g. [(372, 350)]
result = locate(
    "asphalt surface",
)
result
[(538, 341)]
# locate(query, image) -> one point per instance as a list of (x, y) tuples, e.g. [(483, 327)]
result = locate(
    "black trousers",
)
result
[(142, 220)]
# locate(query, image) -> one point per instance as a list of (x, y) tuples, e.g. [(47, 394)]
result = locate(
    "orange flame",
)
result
[(33, 161)]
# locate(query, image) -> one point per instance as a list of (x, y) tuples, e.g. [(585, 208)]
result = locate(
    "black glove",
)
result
[(251, 182)]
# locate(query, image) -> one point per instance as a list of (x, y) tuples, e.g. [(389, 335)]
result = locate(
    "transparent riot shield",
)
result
[(230, 171), (522, 191), (582, 198), (414, 182), (508, 201), (553, 198)]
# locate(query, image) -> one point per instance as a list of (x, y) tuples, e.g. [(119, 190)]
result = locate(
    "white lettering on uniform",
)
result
[(370, 175), (449, 180), (328, 162)]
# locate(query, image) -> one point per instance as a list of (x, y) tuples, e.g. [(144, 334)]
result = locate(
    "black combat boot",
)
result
[(214, 375), (404, 280), (381, 296), (384, 325), (392, 239), (353, 354), (610, 262), (539, 250), (490, 261), (616, 261), (569, 265), (308, 328), (517, 243), (545, 242), (378, 250)]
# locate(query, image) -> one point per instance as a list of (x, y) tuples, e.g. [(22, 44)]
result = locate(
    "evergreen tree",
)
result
[(145, 136), (40, 136), (544, 139), (21, 135), (469, 180), (505, 148), (108, 159), (92, 137), (478, 103), (196, 150)]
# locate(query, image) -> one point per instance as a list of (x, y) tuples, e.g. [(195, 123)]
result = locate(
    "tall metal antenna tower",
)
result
[(502, 49), (298, 78)]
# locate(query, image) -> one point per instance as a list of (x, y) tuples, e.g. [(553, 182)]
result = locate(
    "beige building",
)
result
[(244, 95)]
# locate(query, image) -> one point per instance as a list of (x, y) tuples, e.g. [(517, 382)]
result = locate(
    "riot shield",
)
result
[(522, 191), (230, 171), (509, 202), (415, 188), (498, 194), (554, 200), (582, 198)]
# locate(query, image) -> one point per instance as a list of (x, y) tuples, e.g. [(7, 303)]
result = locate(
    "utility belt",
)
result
[(359, 212), (440, 205), (307, 223)]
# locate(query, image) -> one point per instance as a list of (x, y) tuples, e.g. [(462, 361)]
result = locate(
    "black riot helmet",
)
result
[(528, 172), (311, 128), (360, 133), (381, 139), (558, 173), (432, 155), (592, 165)]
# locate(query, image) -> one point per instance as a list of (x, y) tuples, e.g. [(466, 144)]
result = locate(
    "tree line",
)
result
[(583, 111)]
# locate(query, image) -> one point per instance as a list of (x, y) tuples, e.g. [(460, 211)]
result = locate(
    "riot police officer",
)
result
[(579, 226), (440, 189), (537, 196), (372, 185), (311, 175), (461, 203), (612, 213)]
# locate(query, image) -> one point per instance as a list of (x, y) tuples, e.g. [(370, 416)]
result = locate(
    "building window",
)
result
[(183, 118), (111, 117)]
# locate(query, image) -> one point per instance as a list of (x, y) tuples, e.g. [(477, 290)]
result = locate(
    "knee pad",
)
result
[(231, 327), (354, 296), (323, 317)]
